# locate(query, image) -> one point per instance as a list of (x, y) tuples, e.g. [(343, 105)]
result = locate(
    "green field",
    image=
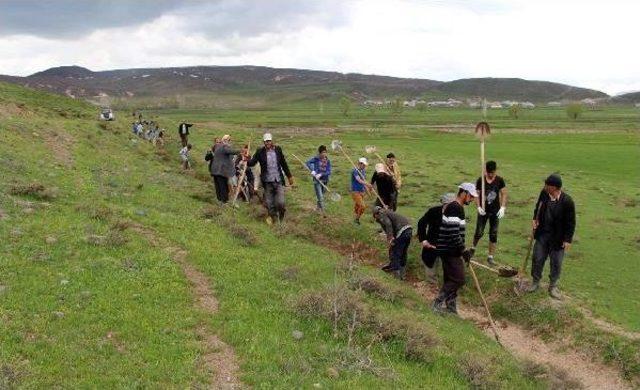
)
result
[(85, 301)]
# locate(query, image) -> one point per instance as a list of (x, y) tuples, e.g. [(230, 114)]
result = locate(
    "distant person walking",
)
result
[(183, 132), (223, 167), (359, 186), (450, 246), (554, 221), (320, 167), (272, 166), (495, 193), (184, 156)]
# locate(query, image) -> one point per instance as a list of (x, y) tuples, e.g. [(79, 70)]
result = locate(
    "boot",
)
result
[(554, 292), (452, 306), (535, 285), (437, 304)]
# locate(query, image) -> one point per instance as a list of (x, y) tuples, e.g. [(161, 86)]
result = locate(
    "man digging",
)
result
[(554, 222), (495, 199), (398, 230), (451, 249)]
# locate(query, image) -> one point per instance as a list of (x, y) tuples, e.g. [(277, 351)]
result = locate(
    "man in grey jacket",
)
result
[(223, 168), (398, 230)]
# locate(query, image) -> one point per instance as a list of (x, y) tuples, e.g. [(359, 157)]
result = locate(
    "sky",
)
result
[(589, 43)]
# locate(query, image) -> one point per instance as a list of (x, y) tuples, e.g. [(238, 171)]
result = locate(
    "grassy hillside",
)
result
[(91, 293)]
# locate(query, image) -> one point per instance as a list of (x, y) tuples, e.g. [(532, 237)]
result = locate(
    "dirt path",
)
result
[(219, 359), (524, 345)]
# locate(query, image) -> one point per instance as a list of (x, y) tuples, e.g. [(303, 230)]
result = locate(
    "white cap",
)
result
[(267, 137), (380, 168), (470, 188), (363, 160)]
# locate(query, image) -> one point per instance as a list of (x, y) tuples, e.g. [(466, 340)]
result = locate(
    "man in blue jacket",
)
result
[(320, 167)]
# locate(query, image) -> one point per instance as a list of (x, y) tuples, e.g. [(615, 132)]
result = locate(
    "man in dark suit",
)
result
[(272, 166)]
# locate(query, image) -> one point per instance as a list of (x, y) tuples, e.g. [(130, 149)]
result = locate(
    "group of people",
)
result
[(148, 130), (440, 231)]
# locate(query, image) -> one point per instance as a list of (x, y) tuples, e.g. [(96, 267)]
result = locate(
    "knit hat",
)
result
[(554, 180)]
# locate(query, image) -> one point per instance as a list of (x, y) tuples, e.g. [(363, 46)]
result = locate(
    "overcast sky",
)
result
[(587, 43)]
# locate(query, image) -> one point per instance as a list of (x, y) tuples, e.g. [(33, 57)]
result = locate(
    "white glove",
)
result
[(501, 212), (481, 211), (318, 176), (313, 173)]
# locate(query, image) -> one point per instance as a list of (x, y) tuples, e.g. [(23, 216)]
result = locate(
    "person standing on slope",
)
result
[(223, 168), (320, 167), (554, 221), (495, 193), (183, 132), (450, 246), (359, 186), (398, 230), (385, 185), (272, 165)]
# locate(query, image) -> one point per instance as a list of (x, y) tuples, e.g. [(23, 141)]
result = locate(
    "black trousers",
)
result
[(481, 223), (184, 139), (399, 249), (222, 188), (453, 277)]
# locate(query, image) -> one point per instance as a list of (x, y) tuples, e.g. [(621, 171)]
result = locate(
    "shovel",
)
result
[(370, 149), (482, 131), (502, 271), (484, 302), (334, 196)]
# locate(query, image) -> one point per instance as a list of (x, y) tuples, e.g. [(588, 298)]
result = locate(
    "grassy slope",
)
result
[(119, 312)]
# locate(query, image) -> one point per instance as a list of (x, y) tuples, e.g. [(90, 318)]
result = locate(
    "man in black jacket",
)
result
[(272, 165), (428, 230), (223, 167), (183, 132), (554, 221)]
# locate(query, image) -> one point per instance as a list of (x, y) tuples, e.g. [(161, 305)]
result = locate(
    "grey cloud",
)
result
[(68, 19)]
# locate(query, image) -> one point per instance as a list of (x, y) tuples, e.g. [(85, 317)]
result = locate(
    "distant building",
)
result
[(527, 105), (638, 105), (554, 104)]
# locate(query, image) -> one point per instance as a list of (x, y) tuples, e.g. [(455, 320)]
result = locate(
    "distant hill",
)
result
[(518, 89), (633, 97), (282, 84)]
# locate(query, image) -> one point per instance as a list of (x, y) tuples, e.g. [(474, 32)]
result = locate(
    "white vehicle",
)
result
[(107, 115)]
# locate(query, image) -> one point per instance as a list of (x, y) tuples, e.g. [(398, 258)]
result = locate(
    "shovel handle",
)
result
[(484, 266), (484, 302)]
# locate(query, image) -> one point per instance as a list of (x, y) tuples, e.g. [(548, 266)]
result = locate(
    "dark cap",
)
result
[(554, 180)]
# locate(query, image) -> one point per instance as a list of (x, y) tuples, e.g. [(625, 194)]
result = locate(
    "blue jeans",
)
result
[(320, 190)]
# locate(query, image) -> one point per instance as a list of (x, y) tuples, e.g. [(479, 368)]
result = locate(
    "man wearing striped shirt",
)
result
[(450, 246)]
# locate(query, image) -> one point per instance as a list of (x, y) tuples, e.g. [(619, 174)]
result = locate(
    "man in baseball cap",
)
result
[(554, 222), (450, 247), (359, 186), (272, 166)]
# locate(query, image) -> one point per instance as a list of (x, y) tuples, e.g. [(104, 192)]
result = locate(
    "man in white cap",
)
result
[(359, 187), (450, 247), (272, 165)]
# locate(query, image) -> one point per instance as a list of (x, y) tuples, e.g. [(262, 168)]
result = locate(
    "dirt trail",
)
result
[(219, 359), (525, 345)]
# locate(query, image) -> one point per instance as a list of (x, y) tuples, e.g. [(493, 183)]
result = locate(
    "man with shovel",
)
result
[(272, 165), (554, 221), (320, 167), (359, 186), (450, 247), (495, 201)]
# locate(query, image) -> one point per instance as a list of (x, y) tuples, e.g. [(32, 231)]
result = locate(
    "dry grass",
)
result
[(35, 190)]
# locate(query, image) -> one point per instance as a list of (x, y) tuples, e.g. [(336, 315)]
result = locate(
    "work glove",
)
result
[(481, 211), (318, 176), (501, 212), (467, 254), (313, 173)]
